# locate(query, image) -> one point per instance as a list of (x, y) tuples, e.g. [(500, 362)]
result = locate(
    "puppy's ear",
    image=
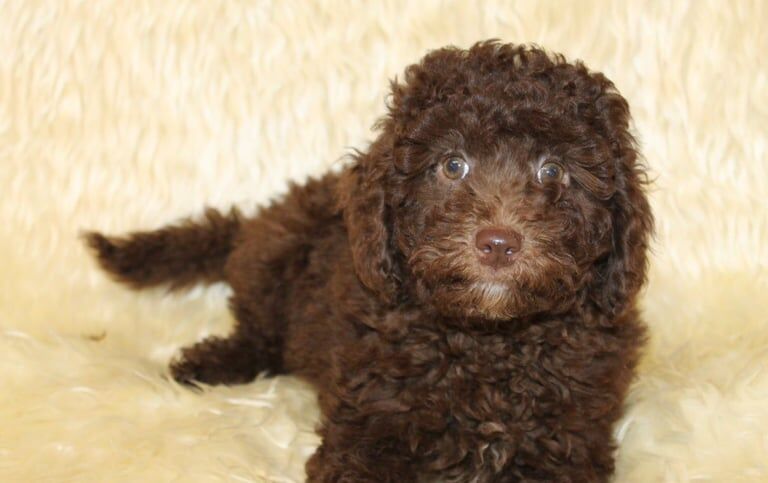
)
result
[(362, 196), (623, 273)]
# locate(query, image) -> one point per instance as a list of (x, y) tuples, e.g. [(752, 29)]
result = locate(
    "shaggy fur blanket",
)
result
[(125, 115)]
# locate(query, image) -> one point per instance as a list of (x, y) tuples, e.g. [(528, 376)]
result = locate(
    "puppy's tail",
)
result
[(178, 255)]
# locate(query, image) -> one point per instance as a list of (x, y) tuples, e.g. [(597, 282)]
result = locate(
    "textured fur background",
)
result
[(125, 115)]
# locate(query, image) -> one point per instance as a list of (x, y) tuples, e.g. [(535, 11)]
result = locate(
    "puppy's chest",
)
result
[(475, 403), (485, 384)]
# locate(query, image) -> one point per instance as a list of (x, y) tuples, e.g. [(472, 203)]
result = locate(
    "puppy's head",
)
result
[(504, 184)]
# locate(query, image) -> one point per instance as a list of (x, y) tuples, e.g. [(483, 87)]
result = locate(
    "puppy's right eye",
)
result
[(455, 168), (550, 173)]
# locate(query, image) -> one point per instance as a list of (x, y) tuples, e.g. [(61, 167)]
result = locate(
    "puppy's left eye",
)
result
[(455, 168), (550, 173)]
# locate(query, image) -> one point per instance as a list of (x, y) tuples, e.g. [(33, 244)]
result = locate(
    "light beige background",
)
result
[(123, 115)]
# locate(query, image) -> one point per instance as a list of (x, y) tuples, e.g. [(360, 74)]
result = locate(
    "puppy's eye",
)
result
[(550, 173), (455, 168)]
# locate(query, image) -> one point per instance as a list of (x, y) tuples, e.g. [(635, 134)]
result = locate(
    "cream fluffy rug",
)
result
[(122, 115)]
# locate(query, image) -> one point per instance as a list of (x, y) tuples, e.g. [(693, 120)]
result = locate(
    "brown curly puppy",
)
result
[(462, 295)]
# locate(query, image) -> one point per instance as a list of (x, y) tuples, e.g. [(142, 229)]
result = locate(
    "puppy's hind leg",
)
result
[(267, 262), (252, 348)]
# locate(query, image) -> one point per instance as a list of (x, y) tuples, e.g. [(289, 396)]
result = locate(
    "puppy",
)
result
[(462, 296)]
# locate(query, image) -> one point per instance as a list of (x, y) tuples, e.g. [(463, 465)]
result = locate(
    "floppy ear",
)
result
[(363, 198), (623, 273)]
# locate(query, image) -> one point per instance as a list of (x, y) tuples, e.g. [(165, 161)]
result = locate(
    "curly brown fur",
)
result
[(437, 358)]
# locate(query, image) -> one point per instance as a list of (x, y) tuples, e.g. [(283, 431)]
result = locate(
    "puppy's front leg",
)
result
[(351, 454)]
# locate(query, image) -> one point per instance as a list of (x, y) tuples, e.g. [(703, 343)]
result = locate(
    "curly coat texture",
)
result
[(431, 365)]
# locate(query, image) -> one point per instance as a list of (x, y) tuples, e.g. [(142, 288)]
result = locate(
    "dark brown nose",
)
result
[(497, 246)]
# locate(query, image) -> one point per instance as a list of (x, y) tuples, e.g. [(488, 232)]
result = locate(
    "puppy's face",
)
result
[(504, 184), (501, 215)]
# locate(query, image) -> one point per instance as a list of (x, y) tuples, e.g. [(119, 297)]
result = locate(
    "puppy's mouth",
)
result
[(456, 282), (496, 294), (489, 299), (491, 288)]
